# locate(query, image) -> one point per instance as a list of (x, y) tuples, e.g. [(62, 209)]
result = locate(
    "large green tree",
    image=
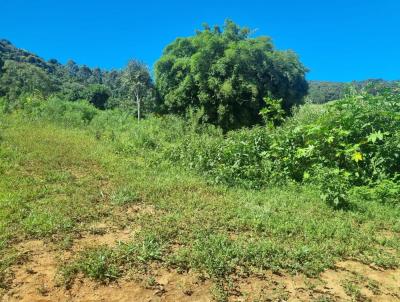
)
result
[(228, 75)]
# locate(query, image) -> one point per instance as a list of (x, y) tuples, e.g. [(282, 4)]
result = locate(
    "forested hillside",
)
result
[(24, 72)]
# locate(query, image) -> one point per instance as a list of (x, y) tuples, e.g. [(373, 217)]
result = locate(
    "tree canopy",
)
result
[(228, 75), (18, 78), (138, 85)]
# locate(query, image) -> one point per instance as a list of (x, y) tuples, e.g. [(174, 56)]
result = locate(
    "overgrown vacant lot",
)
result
[(83, 219)]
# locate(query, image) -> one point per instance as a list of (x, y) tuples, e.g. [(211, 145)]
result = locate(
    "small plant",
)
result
[(215, 254), (353, 290), (99, 264), (333, 184), (124, 196), (151, 282), (374, 286), (146, 247), (97, 230), (273, 113), (219, 292), (43, 290)]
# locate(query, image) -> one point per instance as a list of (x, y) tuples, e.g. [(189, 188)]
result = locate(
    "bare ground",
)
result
[(36, 279)]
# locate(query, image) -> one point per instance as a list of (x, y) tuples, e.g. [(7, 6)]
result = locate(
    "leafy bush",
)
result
[(351, 142), (333, 184), (74, 114), (386, 191)]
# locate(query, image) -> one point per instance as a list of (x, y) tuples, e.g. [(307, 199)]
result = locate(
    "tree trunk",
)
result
[(138, 107)]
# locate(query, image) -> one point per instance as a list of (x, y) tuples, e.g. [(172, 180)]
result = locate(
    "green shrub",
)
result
[(75, 114), (386, 191), (227, 74), (333, 184), (351, 142)]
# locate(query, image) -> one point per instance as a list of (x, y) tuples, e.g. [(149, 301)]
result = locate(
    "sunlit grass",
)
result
[(56, 180)]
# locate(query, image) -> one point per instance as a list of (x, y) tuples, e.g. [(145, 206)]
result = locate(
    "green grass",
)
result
[(51, 182), (55, 181)]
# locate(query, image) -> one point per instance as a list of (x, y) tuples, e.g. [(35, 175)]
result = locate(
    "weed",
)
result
[(374, 286), (219, 293), (124, 196), (99, 264), (353, 290)]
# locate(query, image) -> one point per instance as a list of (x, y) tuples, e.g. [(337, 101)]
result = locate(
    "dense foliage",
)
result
[(340, 146), (25, 73), (227, 75), (19, 78), (351, 142)]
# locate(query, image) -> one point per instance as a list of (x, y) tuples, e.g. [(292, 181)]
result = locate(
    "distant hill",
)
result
[(71, 71), (322, 91), (22, 72), (9, 52)]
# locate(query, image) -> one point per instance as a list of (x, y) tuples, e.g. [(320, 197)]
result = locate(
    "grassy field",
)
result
[(110, 215)]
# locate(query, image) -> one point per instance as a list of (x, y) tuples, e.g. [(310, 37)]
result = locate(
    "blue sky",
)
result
[(337, 40)]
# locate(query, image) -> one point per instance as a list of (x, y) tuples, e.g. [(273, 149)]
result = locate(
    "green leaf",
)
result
[(375, 136)]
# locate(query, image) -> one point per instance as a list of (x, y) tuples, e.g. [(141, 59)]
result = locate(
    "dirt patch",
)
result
[(383, 285), (141, 209), (102, 234), (167, 287), (35, 280), (351, 281)]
